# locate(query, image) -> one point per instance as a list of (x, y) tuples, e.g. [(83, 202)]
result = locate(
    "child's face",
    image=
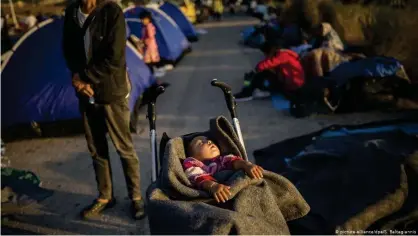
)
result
[(145, 21), (202, 148)]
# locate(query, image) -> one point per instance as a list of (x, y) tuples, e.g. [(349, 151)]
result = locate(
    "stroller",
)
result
[(174, 206)]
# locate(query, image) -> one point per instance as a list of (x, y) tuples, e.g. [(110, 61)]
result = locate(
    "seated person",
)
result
[(320, 61), (261, 11), (272, 16), (252, 6), (327, 37), (280, 72), (268, 31), (304, 47), (270, 27), (206, 161), (291, 34)]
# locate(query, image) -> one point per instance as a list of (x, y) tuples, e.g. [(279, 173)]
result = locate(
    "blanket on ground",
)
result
[(20, 188), (257, 207), (359, 173), (376, 67)]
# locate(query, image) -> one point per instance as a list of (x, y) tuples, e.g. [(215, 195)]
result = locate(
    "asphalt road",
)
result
[(65, 166)]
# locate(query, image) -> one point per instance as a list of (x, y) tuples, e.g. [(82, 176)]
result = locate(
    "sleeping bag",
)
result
[(378, 83), (377, 67)]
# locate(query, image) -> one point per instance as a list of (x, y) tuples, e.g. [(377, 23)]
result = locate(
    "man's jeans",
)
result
[(112, 118), (268, 81), (265, 80)]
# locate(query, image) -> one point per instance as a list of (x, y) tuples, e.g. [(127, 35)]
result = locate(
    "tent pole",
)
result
[(12, 9)]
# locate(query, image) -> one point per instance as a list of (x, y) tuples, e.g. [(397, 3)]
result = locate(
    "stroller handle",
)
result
[(229, 98), (151, 115), (230, 102), (225, 87)]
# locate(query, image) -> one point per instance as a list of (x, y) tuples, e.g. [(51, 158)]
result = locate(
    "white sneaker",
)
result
[(261, 94), (240, 98), (168, 67), (161, 69), (159, 74), (245, 95)]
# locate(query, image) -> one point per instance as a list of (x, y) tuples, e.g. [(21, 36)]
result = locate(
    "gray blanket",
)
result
[(257, 207)]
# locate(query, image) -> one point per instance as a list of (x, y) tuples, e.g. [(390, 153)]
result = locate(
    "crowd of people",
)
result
[(285, 53), (298, 60)]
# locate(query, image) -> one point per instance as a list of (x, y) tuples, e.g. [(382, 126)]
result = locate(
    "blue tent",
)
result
[(172, 43), (36, 84), (185, 25)]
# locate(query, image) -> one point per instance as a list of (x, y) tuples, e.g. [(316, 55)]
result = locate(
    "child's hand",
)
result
[(221, 192), (254, 171)]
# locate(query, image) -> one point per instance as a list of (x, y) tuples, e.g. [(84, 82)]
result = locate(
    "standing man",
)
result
[(94, 41)]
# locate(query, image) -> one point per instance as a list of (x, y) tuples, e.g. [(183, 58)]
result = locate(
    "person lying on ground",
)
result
[(280, 72), (206, 160)]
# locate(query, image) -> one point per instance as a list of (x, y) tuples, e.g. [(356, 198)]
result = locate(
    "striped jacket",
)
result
[(198, 172)]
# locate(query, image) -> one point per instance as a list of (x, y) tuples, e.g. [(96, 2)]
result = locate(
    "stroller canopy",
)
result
[(36, 84), (181, 20), (172, 43)]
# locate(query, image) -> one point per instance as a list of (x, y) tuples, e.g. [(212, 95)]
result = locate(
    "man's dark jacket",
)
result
[(106, 69)]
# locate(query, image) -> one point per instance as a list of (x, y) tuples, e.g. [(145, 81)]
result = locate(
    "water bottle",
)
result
[(91, 100)]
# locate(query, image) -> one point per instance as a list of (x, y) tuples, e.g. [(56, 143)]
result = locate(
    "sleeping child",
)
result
[(206, 160)]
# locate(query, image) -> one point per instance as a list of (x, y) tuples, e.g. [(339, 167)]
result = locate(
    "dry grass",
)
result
[(35, 8), (383, 30)]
